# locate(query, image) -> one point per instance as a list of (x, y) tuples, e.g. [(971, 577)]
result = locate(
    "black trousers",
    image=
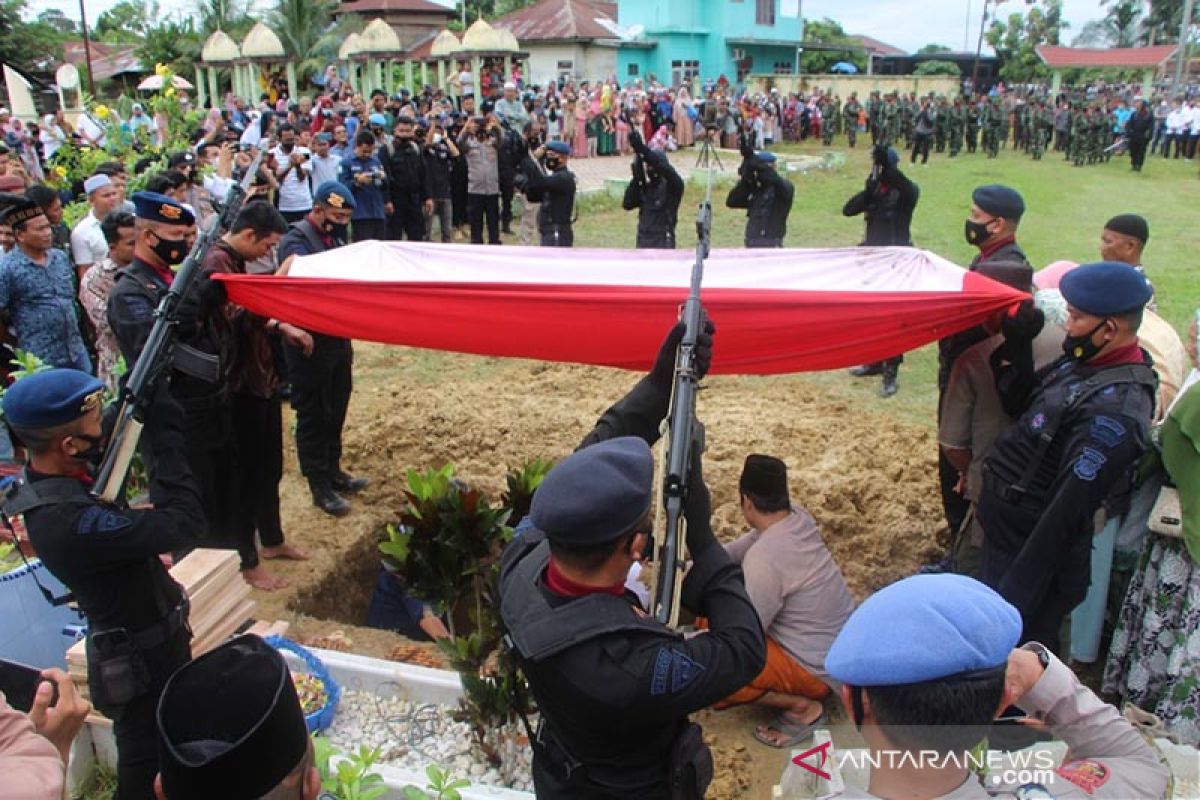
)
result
[(480, 206), (258, 426), (557, 236), (211, 454), (362, 230), (407, 222), (506, 198), (920, 148), (321, 387), (1137, 153), (135, 727)]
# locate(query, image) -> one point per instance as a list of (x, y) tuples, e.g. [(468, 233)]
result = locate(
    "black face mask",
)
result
[(1082, 348), (404, 139), (171, 251), (95, 452), (335, 229), (976, 232), (553, 163)]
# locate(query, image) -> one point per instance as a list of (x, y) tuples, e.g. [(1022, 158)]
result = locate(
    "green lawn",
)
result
[(1066, 207)]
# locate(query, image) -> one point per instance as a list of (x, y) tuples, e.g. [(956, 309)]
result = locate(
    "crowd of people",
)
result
[(1032, 467)]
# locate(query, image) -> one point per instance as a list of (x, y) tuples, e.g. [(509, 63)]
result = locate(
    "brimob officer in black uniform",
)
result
[(887, 202), (203, 352), (108, 556), (252, 744), (767, 197), (991, 226), (656, 190), (1081, 428), (555, 190), (613, 685), (322, 381), (409, 186)]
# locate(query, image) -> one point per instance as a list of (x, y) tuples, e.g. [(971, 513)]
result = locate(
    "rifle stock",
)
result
[(156, 353), (683, 432)]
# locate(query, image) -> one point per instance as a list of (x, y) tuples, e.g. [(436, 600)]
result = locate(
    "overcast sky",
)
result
[(907, 25)]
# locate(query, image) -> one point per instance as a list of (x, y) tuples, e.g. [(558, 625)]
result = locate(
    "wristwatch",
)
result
[(1042, 653)]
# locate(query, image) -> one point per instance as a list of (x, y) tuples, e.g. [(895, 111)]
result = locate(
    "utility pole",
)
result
[(87, 49), (1181, 55), (979, 49)]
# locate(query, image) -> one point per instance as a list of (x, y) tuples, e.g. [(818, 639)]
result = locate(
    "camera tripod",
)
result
[(708, 153)]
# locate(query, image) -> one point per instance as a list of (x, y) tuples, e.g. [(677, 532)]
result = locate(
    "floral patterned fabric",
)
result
[(1155, 658)]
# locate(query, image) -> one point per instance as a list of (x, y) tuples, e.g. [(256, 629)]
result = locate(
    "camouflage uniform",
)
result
[(942, 127), (850, 119), (1076, 150), (972, 125), (956, 123), (829, 120)]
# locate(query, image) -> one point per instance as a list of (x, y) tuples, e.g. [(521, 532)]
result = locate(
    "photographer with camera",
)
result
[(294, 166), (765, 194), (480, 144), (535, 137), (440, 154), (887, 202), (656, 191), (554, 188)]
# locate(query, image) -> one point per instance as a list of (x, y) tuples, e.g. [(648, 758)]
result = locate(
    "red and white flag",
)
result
[(776, 311)]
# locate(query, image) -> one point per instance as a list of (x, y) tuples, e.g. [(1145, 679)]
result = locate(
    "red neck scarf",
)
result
[(325, 237), (987, 250), (1129, 354), (562, 585)]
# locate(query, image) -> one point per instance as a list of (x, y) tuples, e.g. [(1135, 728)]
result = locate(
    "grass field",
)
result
[(1066, 207)]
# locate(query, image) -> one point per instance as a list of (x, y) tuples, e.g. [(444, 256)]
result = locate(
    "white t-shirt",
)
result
[(88, 245), (294, 192)]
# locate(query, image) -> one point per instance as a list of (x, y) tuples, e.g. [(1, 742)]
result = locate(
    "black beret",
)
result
[(230, 724), (596, 494), (51, 397), (764, 476), (999, 201), (1016, 274), (1130, 225), (1105, 288)]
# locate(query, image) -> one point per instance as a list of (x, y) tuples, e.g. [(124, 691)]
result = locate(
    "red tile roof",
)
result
[(377, 6), (877, 47), (108, 60), (1057, 57), (551, 20)]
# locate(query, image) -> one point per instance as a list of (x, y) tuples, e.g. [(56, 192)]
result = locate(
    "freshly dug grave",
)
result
[(868, 479)]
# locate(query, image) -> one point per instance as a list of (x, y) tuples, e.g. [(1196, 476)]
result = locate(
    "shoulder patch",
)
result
[(1087, 773), (1089, 463), (673, 670), (97, 520), (1108, 431)]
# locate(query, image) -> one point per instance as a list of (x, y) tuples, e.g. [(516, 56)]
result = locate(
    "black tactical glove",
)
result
[(1024, 324), (662, 373), (697, 509)]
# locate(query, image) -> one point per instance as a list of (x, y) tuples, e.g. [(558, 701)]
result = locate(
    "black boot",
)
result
[(889, 387), (345, 482), (867, 370), (329, 501)]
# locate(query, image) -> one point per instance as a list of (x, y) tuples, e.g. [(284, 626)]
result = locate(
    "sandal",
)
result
[(793, 731)]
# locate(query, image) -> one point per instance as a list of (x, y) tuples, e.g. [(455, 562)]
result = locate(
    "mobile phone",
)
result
[(19, 684)]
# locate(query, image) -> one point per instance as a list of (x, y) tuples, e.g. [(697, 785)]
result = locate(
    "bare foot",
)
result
[(259, 578), (287, 551)]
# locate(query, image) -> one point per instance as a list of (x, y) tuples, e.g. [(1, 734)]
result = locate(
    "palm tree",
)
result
[(231, 16), (308, 33)]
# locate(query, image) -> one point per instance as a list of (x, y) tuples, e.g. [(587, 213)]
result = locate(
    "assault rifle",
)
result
[(683, 432), (158, 353)]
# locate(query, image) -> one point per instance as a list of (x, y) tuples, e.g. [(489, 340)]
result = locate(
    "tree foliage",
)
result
[(1016, 39), (1121, 26), (937, 67), (308, 33), (127, 21), (485, 9), (1162, 21), (28, 45), (933, 48), (174, 42), (230, 16), (829, 32), (60, 22)]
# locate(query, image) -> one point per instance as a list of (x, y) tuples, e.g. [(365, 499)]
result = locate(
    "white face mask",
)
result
[(437, 138)]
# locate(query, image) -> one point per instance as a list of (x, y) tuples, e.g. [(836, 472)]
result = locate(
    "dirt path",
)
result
[(868, 480)]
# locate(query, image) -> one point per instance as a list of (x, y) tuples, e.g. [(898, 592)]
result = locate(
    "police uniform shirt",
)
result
[(40, 299)]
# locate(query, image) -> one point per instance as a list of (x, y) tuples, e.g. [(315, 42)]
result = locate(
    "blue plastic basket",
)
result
[(323, 718)]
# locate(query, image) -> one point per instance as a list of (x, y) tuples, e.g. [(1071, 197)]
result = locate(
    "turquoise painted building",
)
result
[(682, 41)]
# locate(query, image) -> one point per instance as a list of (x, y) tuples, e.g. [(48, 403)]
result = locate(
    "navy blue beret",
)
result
[(160, 208), (999, 201), (562, 148), (924, 628), (765, 156), (596, 494), (1106, 287), (51, 397), (334, 195)]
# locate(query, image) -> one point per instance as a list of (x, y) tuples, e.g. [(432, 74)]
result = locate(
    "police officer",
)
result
[(408, 187), (766, 195), (322, 380), (887, 202), (202, 355), (555, 190), (991, 227), (1081, 428), (613, 685), (921, 707), (108, 556), (656, 191)]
